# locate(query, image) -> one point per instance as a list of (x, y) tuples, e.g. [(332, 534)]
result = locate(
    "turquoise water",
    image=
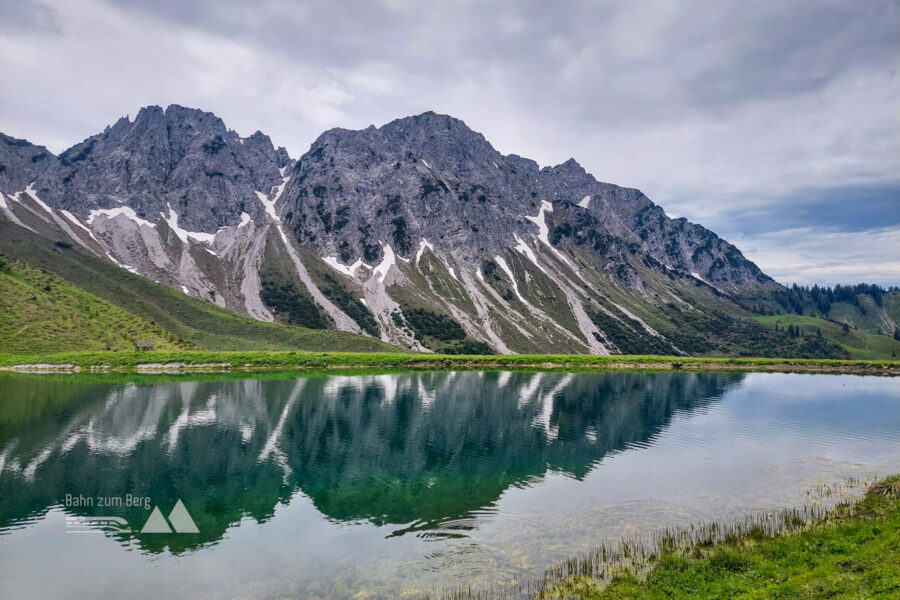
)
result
[(384, 485)]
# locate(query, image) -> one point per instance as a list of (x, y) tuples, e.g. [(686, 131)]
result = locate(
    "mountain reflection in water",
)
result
[(412, 452)]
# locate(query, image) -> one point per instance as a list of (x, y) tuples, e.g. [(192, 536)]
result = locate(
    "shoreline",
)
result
[(838, 552), (168, 362)]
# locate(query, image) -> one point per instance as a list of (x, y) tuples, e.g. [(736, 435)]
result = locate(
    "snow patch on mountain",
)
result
[(503, 265), (386, 263), (125, 211), (524, 249), (183, 234), (349, 271), (422, 245), (544, 232), (276, 193), (30, 191)]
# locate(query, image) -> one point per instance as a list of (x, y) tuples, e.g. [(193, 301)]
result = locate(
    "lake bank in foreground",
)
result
[(851, 552), (167, 361)]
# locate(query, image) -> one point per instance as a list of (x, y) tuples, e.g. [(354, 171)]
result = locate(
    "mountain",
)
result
[(179, 163), (418, 232)]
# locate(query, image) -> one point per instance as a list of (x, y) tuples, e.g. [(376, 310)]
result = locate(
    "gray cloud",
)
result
[(22, 16), (807, 255), (796, 48), (752, 118), (841, 208)]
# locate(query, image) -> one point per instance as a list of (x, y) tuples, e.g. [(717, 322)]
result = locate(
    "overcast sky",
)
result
[(776, 124)]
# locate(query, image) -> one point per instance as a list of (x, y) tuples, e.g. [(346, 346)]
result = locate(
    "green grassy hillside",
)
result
[(195, 323), (860, 344), (40, 312)]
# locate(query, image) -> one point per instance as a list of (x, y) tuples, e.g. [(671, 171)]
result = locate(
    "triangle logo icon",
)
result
[(181, 520), (156, 523)]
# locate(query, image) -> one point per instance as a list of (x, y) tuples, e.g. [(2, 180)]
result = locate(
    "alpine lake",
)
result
[(401, 485)]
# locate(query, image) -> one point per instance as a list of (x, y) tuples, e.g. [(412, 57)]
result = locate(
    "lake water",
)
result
[(389, 485)]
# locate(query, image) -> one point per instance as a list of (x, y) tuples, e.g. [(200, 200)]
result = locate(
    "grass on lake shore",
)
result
[(851, 552), (261, 360)]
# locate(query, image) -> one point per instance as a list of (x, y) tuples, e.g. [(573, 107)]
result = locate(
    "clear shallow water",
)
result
[(392, 484)]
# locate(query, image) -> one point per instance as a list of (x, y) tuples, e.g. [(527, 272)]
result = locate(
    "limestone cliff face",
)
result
[(179, 157), (430, 177), (418, 232), (21, 162)]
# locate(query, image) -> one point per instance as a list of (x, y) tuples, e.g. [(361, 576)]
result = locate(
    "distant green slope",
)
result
[(866, 315), (860, 344), (865, 307), (194, 322)]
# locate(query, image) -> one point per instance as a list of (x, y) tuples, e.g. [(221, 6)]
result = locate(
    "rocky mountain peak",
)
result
[(444, 142), (525, 165), (569, 167), (430, 123), (179, 157), (430, 177), (21, 162), (440, 136)]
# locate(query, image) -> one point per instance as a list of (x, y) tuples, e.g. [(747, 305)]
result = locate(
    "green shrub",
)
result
[(434, 325), (468, 346), (294, 307)]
